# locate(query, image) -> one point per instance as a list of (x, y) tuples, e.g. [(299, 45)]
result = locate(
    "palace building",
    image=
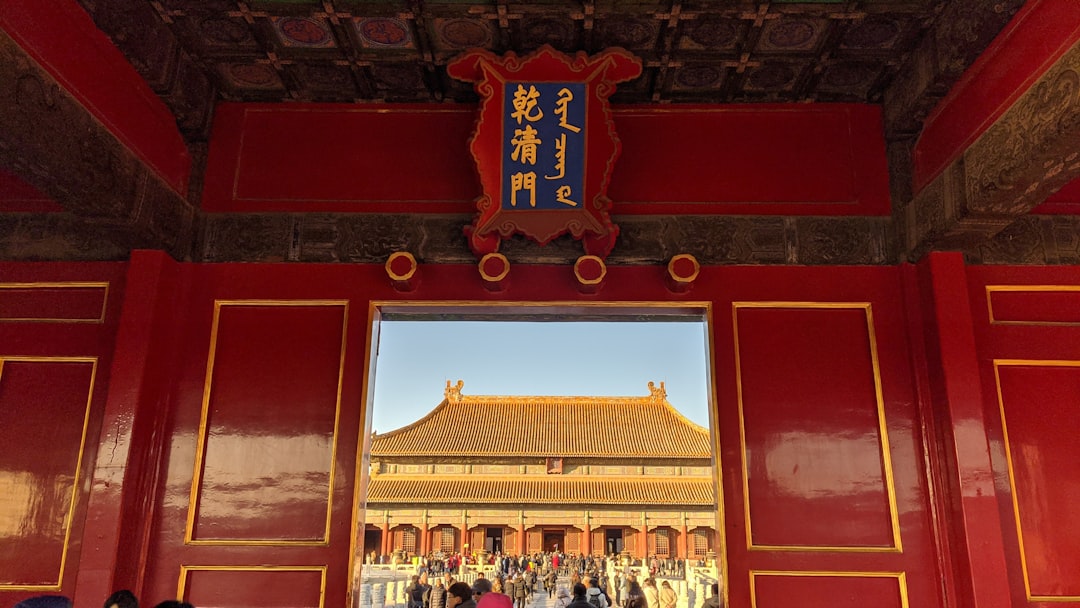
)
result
[(586, 475)]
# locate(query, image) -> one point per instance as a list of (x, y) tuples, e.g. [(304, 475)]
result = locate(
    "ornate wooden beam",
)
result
[(1027, 154), (957, 37), (434, 239), (53, 142)]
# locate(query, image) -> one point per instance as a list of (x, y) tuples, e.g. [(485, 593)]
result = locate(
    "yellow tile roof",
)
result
[(607, 427), (666, 491)]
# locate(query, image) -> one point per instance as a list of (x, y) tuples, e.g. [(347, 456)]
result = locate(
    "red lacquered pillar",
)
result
[(126, 473), (952, 409)]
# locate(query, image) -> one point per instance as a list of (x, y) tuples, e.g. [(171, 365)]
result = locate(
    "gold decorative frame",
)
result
[(999, 363), (883, 431), (103, 285), (992, 289), (200, 451), (181, 585), (75, 484), (572, 309), (901, 580)]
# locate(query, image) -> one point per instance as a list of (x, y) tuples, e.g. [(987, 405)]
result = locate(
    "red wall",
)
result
[(862, 399), (57, 327), (824, 159), (1028, 332)]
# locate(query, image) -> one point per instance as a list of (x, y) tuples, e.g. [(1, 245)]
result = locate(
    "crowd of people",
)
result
[(569, 579), (120, 599)]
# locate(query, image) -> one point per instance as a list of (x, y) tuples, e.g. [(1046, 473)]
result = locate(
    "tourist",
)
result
[(494, 600), (45, 601), (173, 604), (562, 598), (415, 593), (437, 595), (550, 581), (668, 597), (521, 591), (121, 599), (635, 595), (579, 600), (595, 595), (652, 595), (715, 601), (459, 595), (480, 587)]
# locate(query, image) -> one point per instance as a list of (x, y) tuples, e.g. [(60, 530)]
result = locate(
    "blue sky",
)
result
[(416, 358)]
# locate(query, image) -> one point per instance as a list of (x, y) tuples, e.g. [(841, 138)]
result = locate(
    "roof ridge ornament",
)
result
[(453, 393), (657, 393)]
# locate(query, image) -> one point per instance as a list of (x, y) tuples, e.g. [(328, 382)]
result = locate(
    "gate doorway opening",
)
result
[(554, 540), (533, 428), (613, 541), (493, 540)]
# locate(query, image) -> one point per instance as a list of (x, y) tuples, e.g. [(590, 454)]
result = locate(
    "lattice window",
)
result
[(663, 542), (408, 540), (446, 540), (701, 542)]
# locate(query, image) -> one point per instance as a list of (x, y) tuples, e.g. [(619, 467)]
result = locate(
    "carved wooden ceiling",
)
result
[(195, 51)]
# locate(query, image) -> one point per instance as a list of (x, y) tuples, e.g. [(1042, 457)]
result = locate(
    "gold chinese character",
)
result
[(560, 158), (562, 195), (525, 144), (562, 108), (523, 181), (525, 104)]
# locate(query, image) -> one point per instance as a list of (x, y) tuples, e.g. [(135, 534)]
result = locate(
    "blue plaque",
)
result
[(543, 147)]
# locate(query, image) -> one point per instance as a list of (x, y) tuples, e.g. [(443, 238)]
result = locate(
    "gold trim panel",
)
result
[(75, 484), (200, 450), (992, 289), (890, 483), (999, 363), (103, 285), (181, 585), (901, 580)]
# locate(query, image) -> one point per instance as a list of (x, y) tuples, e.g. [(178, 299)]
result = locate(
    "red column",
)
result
[(643, 542), (586, 543), (521, 539), (972, 551), (384, 544), (425, 543), (684, 549), (126, 475)]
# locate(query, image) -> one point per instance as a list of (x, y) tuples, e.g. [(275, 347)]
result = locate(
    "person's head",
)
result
[(592, 582), (438, 583), (457, 593), (173, 604), (479, 575), (579, 590), (122, 599), (635, 587), (495, 600), (665, 585), (715, 589), (45, 601), (480, 587)]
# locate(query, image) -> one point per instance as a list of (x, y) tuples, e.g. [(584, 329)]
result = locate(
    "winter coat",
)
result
[(668, 597), (437, 597), (596, 598)]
